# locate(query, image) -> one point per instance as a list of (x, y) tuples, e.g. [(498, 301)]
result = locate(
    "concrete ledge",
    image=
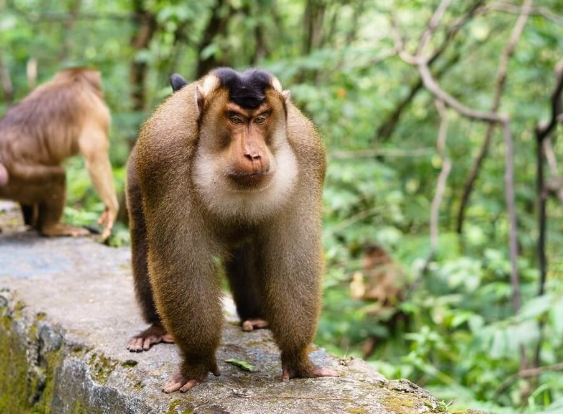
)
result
[(67, 309)]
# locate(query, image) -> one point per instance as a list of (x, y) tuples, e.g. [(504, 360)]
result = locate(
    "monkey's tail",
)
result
[(3, 175)]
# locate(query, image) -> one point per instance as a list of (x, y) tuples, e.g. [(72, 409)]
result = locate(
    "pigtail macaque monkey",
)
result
[(227, 167), (57, 120)]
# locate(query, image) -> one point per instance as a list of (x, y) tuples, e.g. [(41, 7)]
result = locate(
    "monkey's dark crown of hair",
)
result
[(246, 89)]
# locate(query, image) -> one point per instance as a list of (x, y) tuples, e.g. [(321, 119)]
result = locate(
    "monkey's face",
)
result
[(244, 164)]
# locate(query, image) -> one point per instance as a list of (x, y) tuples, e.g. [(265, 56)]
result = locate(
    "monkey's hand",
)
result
[(106, 220), (308, 371), (184, 383), (150, 336)]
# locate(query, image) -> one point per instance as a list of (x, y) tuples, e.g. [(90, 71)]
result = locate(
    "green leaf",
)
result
[(241, 364)]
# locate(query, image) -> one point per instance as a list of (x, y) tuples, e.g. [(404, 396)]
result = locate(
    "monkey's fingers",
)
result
[(251, 324), (107, 220)]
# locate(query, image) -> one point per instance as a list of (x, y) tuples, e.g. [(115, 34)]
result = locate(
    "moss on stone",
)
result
[(52, 359), (14, 394), (101, 367), (18, 309), (172, 409), (398, 403), (357, 411), (130, 363)]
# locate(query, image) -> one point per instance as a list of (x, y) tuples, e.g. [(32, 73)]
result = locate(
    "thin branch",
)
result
[(371, 153), (527, 373), (509, 195), (355, 218), (542, 132), (34, 18), (438, 195), (500, 82), (442, 178), (552, 162), (536, 11), (387, 127), (434, 88), (432, 26)]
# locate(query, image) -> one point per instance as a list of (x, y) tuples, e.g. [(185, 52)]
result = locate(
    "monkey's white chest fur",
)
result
[(252, 204)]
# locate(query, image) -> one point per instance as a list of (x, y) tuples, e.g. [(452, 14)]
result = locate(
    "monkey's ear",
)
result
[(199, 98), (277, 86), (203, 90), (177, 82)]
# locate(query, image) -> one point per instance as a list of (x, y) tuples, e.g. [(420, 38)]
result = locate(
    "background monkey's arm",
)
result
[(93, 144)]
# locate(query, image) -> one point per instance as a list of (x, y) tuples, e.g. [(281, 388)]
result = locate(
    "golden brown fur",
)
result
[(57, 120), (266, 229)]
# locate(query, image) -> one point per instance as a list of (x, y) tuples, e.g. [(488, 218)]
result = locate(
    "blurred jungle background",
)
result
[(443, 221)]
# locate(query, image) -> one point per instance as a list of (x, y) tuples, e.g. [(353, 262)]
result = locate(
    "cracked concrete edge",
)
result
[(45, 370)]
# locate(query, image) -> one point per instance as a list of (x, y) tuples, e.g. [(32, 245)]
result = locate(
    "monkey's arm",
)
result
[(93, 145)]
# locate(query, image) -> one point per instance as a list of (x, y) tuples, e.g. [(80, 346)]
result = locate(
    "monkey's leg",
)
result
[(292, 268), (29, 212), (241, 272), (50, 212), (155, 333)]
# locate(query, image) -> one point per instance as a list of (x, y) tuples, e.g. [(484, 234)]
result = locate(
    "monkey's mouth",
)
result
[(250, 180)]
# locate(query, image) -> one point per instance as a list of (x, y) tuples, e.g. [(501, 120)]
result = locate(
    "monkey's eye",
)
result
[(260, 119), (235, 119)]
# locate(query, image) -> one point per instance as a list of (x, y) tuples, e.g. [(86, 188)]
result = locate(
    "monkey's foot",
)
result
[(183, 383), (150, 336), (314, 372), (60, 230), (251, 324)]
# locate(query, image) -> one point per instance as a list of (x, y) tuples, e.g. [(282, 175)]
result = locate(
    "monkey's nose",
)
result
[(253, 157)]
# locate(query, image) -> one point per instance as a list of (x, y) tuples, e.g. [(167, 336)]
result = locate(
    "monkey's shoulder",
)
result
[(304, 137)]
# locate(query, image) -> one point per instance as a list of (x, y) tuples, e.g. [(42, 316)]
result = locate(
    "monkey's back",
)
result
[(43, 126)]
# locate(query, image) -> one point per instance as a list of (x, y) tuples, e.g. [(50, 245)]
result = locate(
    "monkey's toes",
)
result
[(62, 230), (140, 344), (179, 382), (251, 324), (149, 337), (324, 372), (316, 372)]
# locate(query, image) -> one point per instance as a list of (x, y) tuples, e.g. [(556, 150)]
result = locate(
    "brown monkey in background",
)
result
[(383, 282), (57, 120), (227, 168)]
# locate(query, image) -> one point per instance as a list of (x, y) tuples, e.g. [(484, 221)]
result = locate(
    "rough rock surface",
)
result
[(67, 308)]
